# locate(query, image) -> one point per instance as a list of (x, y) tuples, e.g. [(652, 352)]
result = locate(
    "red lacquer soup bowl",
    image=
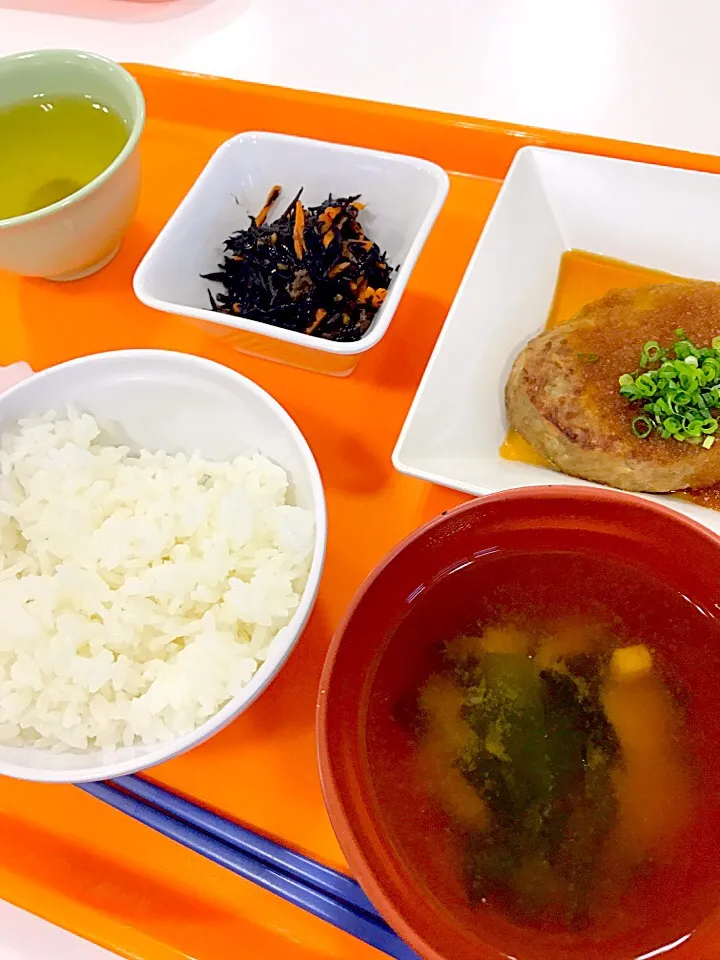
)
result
[(553, 551)]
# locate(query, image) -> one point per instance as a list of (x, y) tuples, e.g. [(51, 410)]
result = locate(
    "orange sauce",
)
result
[(582, 278), (709, 497), (515, 447)]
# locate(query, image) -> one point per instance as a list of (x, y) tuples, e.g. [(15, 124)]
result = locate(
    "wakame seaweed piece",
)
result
[(490, 863), (494, 868), (511, 769), (546, 752), (593, 815), (565, 748), (576, 725), (580, 825), (578, 696)]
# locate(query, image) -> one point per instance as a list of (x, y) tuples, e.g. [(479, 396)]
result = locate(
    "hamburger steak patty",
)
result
[(562, 392)]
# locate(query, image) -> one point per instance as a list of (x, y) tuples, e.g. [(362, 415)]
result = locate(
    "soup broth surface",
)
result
[(541, 758)]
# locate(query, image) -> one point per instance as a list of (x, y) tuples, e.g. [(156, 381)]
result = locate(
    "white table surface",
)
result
[(644, 70), (635, 69)]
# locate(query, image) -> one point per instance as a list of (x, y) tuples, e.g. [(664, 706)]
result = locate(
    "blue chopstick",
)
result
[(371, 929), (295, 864)]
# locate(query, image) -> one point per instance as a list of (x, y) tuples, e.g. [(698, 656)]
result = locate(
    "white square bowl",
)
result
[(552, 201), (403, 194)]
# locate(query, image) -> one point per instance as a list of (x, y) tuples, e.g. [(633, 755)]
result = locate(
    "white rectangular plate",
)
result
[(551, 201)]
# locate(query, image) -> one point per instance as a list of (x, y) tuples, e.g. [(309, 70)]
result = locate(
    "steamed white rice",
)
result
[(138, 592)]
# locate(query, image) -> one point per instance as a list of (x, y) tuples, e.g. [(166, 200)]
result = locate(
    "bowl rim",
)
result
[(111, 67), (162, 751), (340, 816), (386, 312)]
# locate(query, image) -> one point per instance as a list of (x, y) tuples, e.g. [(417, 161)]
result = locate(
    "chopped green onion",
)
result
[(589, 357), (708, 442), (651, 353), (680, 395), (642, 427), (645, 385)]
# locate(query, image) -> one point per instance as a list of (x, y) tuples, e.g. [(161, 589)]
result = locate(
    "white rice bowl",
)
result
[(146, 596)]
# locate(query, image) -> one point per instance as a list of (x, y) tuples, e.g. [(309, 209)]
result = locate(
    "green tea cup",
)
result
[(82, 232)]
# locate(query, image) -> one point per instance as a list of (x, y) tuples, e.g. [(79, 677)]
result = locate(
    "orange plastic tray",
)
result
[(66, 856)]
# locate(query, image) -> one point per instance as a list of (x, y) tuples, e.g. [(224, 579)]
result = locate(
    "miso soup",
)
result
[(540, 761)]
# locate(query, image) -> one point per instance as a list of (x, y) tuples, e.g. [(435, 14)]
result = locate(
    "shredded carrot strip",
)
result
[(327, 217), (328, 239), (320, 315), (271, 198), (338, 268), (298, 230)]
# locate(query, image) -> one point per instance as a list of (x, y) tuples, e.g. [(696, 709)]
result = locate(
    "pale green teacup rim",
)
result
[(137, 127)]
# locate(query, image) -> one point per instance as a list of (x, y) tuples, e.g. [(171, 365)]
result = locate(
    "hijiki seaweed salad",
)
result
[(312, 270)]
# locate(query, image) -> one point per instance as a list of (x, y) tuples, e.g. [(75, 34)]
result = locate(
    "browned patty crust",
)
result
[(568, 407)]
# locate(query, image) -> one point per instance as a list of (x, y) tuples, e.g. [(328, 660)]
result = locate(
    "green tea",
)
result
[(52, 146)]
